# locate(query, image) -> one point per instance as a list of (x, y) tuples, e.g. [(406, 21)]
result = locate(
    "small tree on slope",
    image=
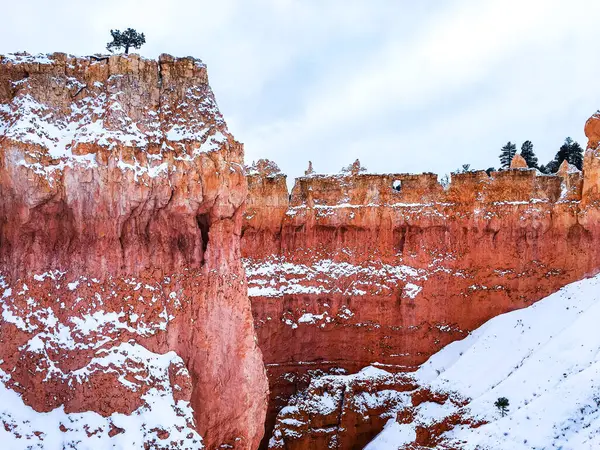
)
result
[(528, 154), (507, 153), (126, 39), (502, 405)]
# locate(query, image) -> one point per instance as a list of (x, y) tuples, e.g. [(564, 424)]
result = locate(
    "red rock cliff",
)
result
[(121, 284), (388, 269)]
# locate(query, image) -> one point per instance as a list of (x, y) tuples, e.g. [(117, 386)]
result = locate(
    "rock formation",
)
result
[(310, 169), (125, 211), (342, 411), (518, 162), (591, 162), (359, 269), (121, 284), (448, 403)]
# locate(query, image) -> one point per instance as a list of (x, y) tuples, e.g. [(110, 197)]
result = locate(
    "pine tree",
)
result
[(570, 151), (445, 181), (507, 154), (552, 166), (463, 169), (126, 39), (528, 154), (502, 405), (576, 155)]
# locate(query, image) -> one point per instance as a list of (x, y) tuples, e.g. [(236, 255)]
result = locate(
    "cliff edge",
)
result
[(124, 307), (357, 269)]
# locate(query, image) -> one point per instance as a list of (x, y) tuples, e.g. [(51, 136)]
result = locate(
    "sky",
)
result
[(404, 86)]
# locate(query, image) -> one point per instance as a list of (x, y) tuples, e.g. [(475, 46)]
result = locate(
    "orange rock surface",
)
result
[(121, 202), (359, 269), (518, 162), (125, 213), (342, 411)]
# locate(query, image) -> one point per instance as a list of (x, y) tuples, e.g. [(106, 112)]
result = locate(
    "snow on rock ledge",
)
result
[(92, 102), (341, 411), (543, 358), (86, 340), (161, 421)]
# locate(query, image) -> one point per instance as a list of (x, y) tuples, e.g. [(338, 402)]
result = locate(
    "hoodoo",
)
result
[(125, 315)]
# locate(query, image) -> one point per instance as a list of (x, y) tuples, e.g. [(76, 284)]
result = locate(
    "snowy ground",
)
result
[(101, 328), (545, 359), (23, 428)]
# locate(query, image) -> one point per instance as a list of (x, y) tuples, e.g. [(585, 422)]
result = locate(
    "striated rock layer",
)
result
[(124, 302), (357, 269), (542, 358)]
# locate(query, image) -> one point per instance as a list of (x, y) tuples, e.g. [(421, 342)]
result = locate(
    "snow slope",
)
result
[(101, 330), (545, 359)]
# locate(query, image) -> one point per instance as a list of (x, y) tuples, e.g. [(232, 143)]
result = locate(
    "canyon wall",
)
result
[(125, 314), (357, 269), (125, 214)]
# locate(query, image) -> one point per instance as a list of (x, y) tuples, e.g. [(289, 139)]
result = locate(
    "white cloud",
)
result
[(405, 86)]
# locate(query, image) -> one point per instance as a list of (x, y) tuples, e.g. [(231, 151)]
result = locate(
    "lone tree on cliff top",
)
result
[(126, 39), (528, 155), (507, 153)]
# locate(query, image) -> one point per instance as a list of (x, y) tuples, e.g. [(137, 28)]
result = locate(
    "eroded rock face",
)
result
[(342, 411), (591, 162), (518, 162), (391, 268), (348, 411), (121, 202)]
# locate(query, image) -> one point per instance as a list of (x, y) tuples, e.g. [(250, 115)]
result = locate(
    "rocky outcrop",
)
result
[(342, 411), (122, 290), (518, 162), (266, 210), (348, 411), (591, 162), (391, 268)]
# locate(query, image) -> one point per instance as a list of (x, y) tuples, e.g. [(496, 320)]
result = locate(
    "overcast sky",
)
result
[(404, 85)]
